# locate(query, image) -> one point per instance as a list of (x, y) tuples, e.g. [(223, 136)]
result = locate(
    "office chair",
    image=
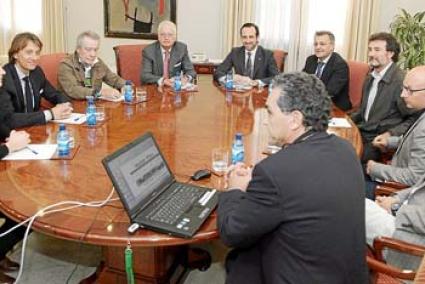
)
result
[(50, 65), (129, 61), (358, 72)]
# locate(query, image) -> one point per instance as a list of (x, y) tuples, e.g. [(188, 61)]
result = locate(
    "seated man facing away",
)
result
[(400, 216), (81, 74), (253, 64), (408, 162), (25, 84), (166, 58), (330, 67), (290, 219), (15, 140), (382, 111)]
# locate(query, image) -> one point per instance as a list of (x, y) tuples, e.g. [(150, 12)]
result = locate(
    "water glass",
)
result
[(100, 113), (141, 94), (220, 159)]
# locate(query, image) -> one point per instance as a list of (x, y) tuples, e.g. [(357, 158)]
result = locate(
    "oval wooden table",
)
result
[(187, 127)]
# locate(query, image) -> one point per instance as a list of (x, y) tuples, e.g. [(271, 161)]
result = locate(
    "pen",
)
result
[(32, 150), (77, 118)]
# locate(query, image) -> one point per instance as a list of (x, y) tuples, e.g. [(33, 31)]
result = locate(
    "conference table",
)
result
[(186, 125)]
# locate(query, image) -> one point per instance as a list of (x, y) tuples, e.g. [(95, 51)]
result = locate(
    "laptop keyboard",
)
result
[(170, 209)]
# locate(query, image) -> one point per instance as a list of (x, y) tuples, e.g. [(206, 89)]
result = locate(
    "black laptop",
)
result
[(151, 195)]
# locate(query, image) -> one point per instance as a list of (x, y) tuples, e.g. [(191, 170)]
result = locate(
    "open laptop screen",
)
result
[(138, 172)]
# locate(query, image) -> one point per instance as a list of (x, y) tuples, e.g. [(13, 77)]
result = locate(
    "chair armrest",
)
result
[(381, 267), (395, 185), (385, 190), (380, 243)]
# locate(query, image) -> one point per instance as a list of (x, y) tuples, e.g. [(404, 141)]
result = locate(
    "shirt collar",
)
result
[(379, 75), (163, 50), (252, 52), (88, 65), (21, 74), (326, 59)]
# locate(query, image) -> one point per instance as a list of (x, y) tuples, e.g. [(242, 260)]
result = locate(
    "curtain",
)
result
[(236, 13), (362, 21), (53, 26)]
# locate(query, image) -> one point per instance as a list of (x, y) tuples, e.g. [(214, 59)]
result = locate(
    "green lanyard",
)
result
[(128, 253)]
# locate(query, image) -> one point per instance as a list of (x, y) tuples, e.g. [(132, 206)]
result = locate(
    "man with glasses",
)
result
[(166, 58), (408, 162), (382, 111)]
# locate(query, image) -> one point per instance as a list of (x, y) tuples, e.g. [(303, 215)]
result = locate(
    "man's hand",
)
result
[(110, 93), (241, 80), (369, 166), (238, 176), (386, 202), (17, 140), (62, 111), (168, 82), (381, 141)]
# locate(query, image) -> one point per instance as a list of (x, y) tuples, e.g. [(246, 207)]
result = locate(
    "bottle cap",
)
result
[(238, 135), (62, 126), (128, 82)]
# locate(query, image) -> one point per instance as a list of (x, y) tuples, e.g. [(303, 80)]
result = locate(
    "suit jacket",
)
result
[(408, 163), (291, 224), (15, 95), (410, 224), (388, 111), (152, 62), (334, 76), (265, 67)]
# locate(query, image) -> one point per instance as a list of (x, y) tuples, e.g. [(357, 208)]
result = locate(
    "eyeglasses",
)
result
[(410, 91), (166, 34)]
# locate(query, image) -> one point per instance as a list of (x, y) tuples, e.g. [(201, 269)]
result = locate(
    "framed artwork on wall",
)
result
[(137, 18)]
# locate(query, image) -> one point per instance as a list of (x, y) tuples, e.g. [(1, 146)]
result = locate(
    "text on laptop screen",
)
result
[(139, 171)]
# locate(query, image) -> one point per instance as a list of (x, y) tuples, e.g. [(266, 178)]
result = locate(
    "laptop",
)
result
[(150, 193)]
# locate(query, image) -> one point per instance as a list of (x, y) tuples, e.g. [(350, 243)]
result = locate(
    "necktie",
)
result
[(248, 66), (165, 71), (319, 69), (28, 95)]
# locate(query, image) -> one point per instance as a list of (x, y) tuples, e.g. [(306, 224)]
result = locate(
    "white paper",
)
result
[(339, 122), (33, 152), (75, 118), (215, 61)]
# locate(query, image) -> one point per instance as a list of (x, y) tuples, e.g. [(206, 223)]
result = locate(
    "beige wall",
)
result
[(199, 30)]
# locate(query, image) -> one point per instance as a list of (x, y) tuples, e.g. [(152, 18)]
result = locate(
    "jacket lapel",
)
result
[(259, 57), (159, 57), (16, 87), (35, 88), (408, 132)]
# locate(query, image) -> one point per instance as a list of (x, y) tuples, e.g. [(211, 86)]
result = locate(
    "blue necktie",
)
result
[(319, 69)]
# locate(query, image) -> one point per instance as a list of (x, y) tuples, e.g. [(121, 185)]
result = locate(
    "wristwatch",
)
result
[(394, 208)]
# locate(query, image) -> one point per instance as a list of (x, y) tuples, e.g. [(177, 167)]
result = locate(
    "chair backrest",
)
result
[(279, 56), (129, 61), (358, 72), (50, 65)]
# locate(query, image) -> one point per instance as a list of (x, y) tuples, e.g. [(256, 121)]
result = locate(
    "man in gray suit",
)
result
[(401, 216), (165, 58), (253, 64), (382, 111), (408, 163)]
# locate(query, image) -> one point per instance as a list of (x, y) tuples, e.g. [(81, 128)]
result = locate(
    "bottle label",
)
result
[(91, 118), (229, 84), (238, 154), (177, 85), (128, 93)]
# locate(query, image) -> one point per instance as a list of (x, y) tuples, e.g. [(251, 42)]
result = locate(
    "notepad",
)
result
[(75, 118), (33, 152), (339, 122)]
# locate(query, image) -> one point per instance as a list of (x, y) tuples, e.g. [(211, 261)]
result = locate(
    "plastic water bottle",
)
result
[(62, 140), (128, 91), (91, 111), (229, 80), (177, 83), (238, 151)]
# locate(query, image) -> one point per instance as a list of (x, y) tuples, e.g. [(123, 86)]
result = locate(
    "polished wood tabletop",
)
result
[(187, 126)]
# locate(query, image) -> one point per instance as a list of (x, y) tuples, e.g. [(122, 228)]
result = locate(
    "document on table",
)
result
[(75, 118), (339, 122), (33, 152), (112, 99)]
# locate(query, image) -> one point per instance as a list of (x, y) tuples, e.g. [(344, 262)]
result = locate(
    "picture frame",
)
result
[(137, 18)]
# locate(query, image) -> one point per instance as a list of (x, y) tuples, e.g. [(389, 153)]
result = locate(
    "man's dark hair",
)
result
[(250, 25), (307, 94), (328, 33), (20, 41), (392, 44)]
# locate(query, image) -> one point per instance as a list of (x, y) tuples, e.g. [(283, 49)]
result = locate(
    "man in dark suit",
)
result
[(382, 110), (285, 217), (253, 64), (25, 84), (166, 58), (330, 67), (15, 140)]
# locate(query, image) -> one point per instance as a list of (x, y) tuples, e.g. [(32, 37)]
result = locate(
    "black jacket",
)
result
[(299, 221), (335, 76), (15, 96)]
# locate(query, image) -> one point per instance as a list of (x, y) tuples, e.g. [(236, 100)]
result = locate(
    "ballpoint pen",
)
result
[(32, 150), (77, 118)]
